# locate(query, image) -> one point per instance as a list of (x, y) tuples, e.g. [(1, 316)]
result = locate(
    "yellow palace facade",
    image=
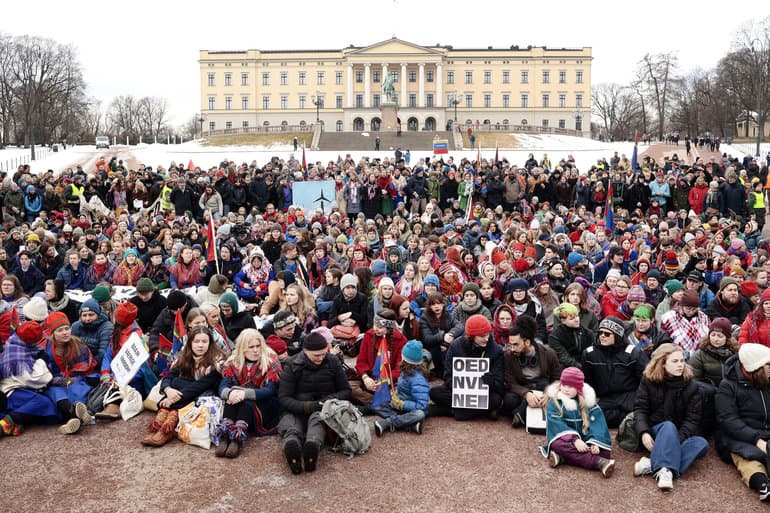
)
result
[(435, 86)]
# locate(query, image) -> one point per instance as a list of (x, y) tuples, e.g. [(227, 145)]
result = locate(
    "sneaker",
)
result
[(554, 460), (70, 427), (665, 479), (764, 492), (643, 467), (379, 428), (606, 467), (310, 455), (517, 420), (417, 428), (81, 412), (293, 452)]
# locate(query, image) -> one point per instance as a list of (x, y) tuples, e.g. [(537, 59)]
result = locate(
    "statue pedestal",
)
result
[(389, 113)]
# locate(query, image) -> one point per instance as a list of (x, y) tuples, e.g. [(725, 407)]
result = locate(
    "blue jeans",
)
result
[(670, 453), (400, 420)]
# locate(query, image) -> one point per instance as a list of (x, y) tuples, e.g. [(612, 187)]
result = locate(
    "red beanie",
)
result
[(56, 320), (530, 252), (519, 246), (498, 257), (30, 333), (573, 377), (125, 313), (477, 325), (520, 265), (749, 288), (452, 253), (765, 297)]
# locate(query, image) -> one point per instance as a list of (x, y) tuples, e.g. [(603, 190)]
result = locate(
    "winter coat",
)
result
[(569, 344), (96, 335), (615, 373), (368, 354), (191, 389), (517, 383), (736, 314), (414, 391), (147, 311), (359, 306), (72, 278), (462, 313), (733, 199), (304, 385), (183, 200), (563, 418), (434, 336), (464, 348), (685, 408), (742, 414), (164, 324), (238, 322), (707, 364)]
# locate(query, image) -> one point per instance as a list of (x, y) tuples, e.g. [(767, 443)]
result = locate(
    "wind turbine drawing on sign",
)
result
[(322, 198)]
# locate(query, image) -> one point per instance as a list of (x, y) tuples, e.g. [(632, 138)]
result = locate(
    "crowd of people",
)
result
[(607, 296)]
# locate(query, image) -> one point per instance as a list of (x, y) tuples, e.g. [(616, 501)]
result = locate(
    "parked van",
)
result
[(102, 141)]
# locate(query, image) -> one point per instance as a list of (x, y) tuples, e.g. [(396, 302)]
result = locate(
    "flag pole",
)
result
[(213, 240)]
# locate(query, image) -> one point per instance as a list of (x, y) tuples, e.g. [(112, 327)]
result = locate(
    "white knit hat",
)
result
[(35, 310), (754, 356), (348, 280)]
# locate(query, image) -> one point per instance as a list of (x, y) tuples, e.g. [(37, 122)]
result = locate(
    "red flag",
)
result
[(636, 136), (304, 162), (190, 166), (14, 321), (211, 249), (497, 154)]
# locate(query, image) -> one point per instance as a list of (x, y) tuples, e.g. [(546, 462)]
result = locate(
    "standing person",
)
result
[(249, 388), (668, 414), (477, 343), (309, 378), (408, 406), (742, 412), (575, 428)]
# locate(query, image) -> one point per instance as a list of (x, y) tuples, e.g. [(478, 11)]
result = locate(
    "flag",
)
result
[(497, 154), (179, 333), (609, 222), (211, 244), (304, 162), (478, 158), (634, 156), (381, 375), (14, 321)]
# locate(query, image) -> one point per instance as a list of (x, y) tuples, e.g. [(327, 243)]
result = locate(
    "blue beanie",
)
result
[(412, 352), (574, 258), (517, 284), (91, 305), (131, 251), (379, 267), (431, 279)]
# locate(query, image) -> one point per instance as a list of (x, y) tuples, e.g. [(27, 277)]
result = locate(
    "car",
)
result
[(103, 141)]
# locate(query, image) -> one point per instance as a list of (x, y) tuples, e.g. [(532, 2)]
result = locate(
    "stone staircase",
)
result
[(389, 141)]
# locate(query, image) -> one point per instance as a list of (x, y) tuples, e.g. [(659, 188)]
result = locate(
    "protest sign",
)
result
[(129, 359), (467, 389)]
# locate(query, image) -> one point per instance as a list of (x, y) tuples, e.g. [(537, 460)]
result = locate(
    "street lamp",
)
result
[(317, 101), (455, 100), (200, 120)]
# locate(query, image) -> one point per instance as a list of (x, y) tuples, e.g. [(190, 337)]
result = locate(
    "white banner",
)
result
[(131, 356), (467, 389)]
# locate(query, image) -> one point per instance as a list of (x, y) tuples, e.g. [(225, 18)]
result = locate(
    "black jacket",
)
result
[(736, 314), (569, 344), (743, 414), (464, 348), (685, 408), (434, 336), (259, 193), (183, 200), (304, 385), (164, 324), (147, 312), (358, 306), (191, 389), (238, 322)]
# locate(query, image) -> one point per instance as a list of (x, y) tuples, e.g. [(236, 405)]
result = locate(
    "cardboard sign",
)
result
[(467, 389), (129, 359)]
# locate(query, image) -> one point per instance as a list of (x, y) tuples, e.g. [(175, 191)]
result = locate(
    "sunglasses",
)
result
[(604, 334)]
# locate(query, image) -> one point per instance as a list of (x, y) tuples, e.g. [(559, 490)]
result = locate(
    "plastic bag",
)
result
[(131, 405), (193, 427), (216, 406)]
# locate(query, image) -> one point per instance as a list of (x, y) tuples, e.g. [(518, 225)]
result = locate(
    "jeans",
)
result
[(674, 455), (400, 420)]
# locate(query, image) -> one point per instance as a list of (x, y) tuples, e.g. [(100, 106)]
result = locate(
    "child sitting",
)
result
[(576, 431), (409, 403)]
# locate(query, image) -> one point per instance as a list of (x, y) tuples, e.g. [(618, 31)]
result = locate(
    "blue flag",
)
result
[(635, 161), (609, 222), (381, 375)]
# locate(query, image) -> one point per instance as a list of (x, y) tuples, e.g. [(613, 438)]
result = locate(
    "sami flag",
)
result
[(609, 222), (304, 162), (14, 321), (381, 375), (168, 348), (211, 244)]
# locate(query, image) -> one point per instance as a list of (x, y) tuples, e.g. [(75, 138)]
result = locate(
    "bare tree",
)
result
[(657, 73)]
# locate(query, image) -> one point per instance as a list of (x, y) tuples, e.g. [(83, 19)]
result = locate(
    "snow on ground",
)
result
[(585, 152)]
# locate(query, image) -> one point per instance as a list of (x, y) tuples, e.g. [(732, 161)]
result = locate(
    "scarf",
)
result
[(17, 358), (371, 190), (59, 305), (674, 387), (251, 376), (131, 272), (501, 334), (260, 274)]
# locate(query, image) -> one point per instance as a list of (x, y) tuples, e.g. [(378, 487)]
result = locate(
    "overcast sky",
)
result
[(150, 48)]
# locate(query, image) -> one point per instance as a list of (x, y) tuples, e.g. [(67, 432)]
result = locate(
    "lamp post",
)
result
[(317, 101), (456, 100), (200, 120)]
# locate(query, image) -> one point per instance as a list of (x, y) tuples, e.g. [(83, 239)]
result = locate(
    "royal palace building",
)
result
[(429, 86)]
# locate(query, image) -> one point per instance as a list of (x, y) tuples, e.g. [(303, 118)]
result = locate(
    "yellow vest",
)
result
[(759, 199), (165, 202), (76, 193)]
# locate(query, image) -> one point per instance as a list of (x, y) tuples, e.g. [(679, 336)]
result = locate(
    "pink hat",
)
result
[(573, 377)]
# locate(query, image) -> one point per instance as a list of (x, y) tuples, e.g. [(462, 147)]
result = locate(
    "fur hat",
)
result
[(754, 356), (477, 325), (36, 309), (125, 313), (348, 280), (573, 377), (412, 352)]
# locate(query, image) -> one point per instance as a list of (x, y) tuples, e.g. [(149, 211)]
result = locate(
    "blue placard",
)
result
[(313, 195)]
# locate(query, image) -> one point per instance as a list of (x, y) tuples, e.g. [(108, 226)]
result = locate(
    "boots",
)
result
[(238, 435), (293, 452), (382, 426), (70, 427), (222, 432), (81, 412), (158, 421), (9, 428), (166, 431), (606, 467), (110, 412), (310, 454)]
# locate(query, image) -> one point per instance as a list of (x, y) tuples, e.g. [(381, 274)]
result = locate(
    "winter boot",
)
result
[(70, 427), (110, 412), (293, 452), (382, 426), (222, 433), (416, 428), (310, 454), (238, 435), (606, 467), (9, 428), (160, 418), (166, 431), (81, 412)]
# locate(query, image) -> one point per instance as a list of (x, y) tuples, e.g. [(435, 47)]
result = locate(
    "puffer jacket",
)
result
[(686, 413), (569, 344), (414, 391), (707, 364), (743, 414), (304, 385), (96, 335)]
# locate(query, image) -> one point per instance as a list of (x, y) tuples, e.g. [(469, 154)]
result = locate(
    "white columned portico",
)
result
[(421, 93), (367, 86), (403, 85), (349, 102)]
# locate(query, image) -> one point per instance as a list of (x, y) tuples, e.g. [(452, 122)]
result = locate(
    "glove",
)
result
[(395, 402), (487, 379), (59, 381)]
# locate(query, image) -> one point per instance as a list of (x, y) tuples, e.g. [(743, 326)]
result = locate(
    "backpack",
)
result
[(354, 436)]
